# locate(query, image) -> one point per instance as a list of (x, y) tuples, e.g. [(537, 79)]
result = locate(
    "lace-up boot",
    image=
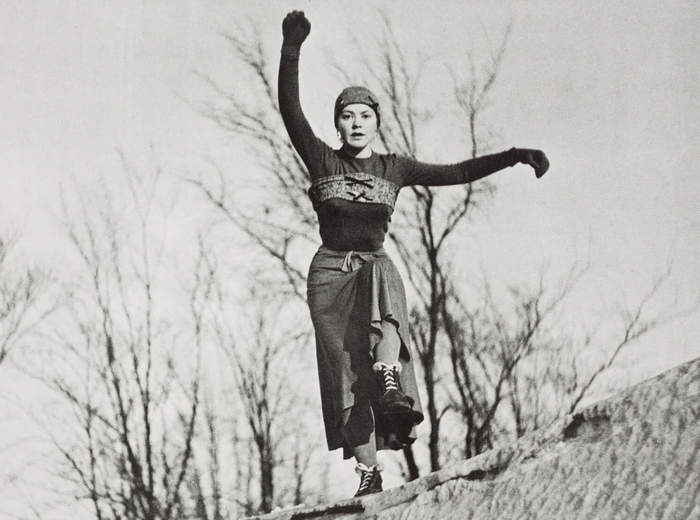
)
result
[(395, 401), (370, 479)]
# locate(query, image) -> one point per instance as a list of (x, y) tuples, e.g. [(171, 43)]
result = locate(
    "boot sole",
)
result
[(403, 419)]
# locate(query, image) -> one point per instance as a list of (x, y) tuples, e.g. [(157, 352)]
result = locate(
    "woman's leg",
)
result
[(387, 350), (358, 431), (366, 453)]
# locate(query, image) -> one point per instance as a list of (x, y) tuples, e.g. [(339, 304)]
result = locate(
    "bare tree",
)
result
[(22, 296), (514, 368), (281, 225), (133, 399), (503, 358), (495, 354), (427, 221), (268, 409), (284, 219), (262, 410), (495, 365), (633, 323)]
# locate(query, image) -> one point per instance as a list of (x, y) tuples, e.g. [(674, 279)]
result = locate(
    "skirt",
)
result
[(349, 294)]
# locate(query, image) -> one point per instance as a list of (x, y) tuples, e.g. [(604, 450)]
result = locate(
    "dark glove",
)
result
[(535, 158), (295, 28)]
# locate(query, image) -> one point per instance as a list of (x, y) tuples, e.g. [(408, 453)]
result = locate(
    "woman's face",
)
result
[(357, 125)]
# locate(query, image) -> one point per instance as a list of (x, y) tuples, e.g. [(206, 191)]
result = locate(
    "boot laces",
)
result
[(390, 378), (366, 479), (366, 475)]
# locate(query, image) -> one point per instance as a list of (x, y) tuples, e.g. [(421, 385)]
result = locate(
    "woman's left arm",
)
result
[(425, 174)]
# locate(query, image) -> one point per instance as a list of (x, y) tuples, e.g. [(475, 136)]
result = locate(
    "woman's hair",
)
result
[(352, 95)]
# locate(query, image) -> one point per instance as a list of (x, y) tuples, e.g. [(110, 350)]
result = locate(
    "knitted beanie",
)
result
[(352, 95)]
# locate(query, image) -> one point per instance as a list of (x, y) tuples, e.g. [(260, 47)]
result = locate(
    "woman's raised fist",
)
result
[(295, 28)]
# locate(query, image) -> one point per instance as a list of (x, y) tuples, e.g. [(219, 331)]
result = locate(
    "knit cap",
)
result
[(352, 95)]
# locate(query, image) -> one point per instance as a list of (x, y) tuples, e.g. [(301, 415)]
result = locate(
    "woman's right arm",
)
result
[(295, 29)]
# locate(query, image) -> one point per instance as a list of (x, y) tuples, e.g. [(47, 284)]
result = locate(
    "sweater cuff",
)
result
[(291, 51)]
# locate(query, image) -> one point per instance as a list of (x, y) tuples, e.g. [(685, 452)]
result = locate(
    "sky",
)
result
[(609, 90)]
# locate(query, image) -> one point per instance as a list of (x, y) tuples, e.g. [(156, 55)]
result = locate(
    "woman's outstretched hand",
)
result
[(535, 158), (295, 28)]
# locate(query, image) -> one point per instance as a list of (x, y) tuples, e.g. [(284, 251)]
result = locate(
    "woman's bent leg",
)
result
[(387, 350)]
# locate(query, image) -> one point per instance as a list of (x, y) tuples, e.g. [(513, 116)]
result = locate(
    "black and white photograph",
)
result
[(302, 259)]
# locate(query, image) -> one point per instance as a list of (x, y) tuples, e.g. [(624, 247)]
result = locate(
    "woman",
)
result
[(355, 294)]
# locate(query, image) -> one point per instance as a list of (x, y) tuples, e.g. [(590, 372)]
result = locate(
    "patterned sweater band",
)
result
[(356, 187)]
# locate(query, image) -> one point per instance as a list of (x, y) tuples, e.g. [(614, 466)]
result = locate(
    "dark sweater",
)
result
[(354, 198)]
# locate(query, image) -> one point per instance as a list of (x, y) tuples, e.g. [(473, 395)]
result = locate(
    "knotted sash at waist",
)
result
[(355, 259), (345, 261)]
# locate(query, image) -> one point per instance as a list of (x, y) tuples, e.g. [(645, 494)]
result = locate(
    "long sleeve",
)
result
[(425, 174), (302, 136)]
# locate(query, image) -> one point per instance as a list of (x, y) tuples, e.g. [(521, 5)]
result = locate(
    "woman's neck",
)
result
[(358, 153)]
